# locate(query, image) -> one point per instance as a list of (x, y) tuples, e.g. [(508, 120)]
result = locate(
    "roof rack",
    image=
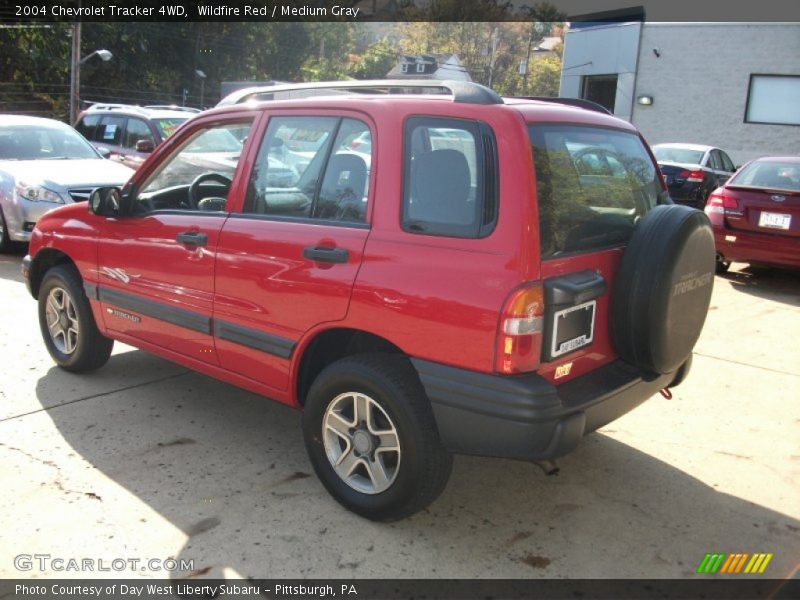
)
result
[(462, 91), (579, 102), (172, 107), (109, 106), (139, 109)]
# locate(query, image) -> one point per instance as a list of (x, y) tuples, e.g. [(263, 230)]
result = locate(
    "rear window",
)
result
[(593, 184), (772, 174), (679, 155)]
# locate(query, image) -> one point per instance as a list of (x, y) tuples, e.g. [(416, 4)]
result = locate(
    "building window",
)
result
[(420, 67), (404, 68), (773, 99), (601, 89)]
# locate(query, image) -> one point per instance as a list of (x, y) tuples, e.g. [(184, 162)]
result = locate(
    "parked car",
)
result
[(453, 294), (756, 214), (692, 171), (130, 133), (45, 164)]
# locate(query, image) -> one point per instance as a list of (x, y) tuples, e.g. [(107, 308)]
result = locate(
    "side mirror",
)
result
[(104, 152), (145, 146), (105, 202)]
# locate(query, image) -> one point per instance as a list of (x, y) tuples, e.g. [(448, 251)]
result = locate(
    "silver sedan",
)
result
[(45, 164)]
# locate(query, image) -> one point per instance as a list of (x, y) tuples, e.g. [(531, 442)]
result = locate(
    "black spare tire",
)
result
[(663, 288)]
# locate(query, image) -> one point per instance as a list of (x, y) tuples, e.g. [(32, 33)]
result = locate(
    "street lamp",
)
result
[(202, 77), (105, 55), (75, 69)]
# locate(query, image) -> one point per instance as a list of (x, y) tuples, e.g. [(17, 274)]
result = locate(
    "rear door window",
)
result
[(593, 184), (110, 130), (450, 178)]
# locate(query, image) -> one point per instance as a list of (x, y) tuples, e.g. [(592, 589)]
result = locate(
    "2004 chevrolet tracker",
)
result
[(421, 274)]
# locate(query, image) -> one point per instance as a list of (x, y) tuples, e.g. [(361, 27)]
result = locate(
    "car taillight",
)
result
[(722, 201), (691, 175), (519, 335)]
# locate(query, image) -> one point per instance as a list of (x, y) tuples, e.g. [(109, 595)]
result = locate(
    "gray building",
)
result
[(731, 85)]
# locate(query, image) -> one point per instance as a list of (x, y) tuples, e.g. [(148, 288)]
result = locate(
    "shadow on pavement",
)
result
[(11, 262), (229, 469), (780, 285)]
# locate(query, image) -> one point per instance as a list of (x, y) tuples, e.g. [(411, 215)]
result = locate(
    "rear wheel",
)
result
[(67, 323), (372, 439)]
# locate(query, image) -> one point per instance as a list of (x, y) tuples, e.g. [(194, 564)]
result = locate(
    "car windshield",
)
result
[(215, 140), (679, 155), (31, 142), (769, 174), (166, 127)]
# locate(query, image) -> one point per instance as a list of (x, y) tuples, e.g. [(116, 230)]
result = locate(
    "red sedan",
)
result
[(756, 214)]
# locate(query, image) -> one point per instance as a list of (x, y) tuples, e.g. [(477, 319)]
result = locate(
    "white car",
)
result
[(45, 164)]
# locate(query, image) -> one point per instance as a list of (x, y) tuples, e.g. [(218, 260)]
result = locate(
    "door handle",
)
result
[(192, 238), (329, 255)]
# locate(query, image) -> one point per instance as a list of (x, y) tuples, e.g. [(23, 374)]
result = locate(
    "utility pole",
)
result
[(494, 39), (75, 73)]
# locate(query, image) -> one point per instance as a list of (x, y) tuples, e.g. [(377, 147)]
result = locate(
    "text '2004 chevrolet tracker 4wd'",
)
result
[(486, 276)]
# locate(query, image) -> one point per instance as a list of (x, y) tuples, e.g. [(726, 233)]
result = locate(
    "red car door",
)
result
[(156, 262), (287, 261)]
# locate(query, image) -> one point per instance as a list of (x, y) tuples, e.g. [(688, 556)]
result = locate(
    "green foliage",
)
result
[(376, 61), (156, 63)]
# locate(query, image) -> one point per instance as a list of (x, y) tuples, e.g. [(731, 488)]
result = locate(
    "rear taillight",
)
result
[(719, 199), (519, 334), (690, 175)]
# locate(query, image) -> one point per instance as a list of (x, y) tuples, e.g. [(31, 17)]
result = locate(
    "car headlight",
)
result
[(37, 193)]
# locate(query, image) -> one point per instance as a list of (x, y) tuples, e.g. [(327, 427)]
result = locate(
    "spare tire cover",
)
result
[(663, 288)]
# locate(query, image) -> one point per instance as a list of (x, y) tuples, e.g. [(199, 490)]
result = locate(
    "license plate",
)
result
[(573, 328), (774, 220)]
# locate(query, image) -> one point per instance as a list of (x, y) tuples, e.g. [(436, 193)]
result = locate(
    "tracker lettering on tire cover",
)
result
[(663, 288)]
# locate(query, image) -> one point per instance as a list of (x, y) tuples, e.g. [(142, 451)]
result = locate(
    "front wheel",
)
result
[(67, 323), (372, 438)]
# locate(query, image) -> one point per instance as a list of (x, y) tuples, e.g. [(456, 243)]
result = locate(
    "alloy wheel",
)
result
[(62, 320), (361, 443)]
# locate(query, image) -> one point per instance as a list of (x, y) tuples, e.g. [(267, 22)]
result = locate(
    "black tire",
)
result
[(89, 348), (423, 465), (663, 288), (5, 238)]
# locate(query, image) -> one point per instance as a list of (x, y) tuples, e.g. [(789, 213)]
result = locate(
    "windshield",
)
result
[(166, 127), (679, 155), (772, 175), (215, 140), (30, 142), (593, 184)]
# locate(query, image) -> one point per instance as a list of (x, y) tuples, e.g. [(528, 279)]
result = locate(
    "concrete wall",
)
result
[(700, 83), (602, 50)]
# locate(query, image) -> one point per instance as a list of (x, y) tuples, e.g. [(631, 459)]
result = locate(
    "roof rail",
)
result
[(172, 107), (579, 102), (111, 106), (462, 91)]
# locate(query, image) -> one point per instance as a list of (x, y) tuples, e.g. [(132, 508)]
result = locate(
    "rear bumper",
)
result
[(746, 246), (526, 417)]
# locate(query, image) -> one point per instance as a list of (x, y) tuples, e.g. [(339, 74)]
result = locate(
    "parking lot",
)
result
[(144, 459)]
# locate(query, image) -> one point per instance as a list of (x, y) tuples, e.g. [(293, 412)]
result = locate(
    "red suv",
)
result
[(475, 279)]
